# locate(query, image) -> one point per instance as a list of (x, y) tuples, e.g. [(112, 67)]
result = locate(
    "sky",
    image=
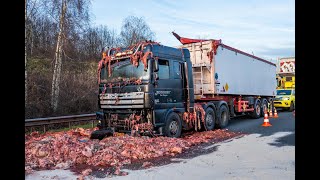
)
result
[(265, 28)]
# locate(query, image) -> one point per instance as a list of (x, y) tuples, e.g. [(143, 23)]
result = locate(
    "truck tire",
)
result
[(223, 117), (291, 106), (264, 104), (209, 119), (256, 109), (173, 126)]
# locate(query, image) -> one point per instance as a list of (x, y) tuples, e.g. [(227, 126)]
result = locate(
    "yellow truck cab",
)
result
[(285, 99)]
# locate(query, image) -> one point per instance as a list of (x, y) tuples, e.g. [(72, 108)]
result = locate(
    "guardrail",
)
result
[(59, 119)]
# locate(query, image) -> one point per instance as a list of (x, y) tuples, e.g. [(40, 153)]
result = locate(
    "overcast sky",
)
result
[(266, 28)]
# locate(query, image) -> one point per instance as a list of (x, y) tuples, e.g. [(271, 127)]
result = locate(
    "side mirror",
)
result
[(155, 65)]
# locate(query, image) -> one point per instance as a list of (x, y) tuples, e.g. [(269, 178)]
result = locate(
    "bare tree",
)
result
[(58, 59), (95, 39), (135, 29), (30, 11), (107, 37), (73, 15), (32, 20)]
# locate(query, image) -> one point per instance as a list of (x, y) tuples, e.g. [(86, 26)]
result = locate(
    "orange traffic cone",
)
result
[(275, 113), (266, 120), (270, 113)]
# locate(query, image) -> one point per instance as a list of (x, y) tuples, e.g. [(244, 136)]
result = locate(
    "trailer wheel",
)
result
[(223, 117), (173, 126), (257, 109), (264, 106), (210, 119)]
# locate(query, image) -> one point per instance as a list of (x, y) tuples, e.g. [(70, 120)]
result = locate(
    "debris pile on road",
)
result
[(61, 150)]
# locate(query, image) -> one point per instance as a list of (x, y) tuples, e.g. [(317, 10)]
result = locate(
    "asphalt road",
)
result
[(284, 123), (264, 153)]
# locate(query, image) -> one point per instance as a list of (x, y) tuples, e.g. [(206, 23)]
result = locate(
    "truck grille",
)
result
[(122, 100)]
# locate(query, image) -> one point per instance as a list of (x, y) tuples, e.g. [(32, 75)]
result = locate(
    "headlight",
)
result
[(285, 98), (99, 122)]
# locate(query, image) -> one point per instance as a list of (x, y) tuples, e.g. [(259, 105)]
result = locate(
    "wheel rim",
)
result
[(264, 107), (223, 117), (173, 127), (209, 120), (258, 109)]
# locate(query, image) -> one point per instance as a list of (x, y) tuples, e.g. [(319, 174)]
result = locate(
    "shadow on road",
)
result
[(284, 123), (288, 140)]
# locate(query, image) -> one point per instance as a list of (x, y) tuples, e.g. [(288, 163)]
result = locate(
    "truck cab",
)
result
[(144, 89), (285, 99)]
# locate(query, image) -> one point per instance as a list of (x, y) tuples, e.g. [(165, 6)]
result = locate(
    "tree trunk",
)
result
[(58, 60), (31, 45), (25, 56)]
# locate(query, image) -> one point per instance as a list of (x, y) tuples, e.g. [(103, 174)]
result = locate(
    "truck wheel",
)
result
[(223, 117), (264, 106), (291, 106), (257, 109), (210, 119), (173, 126)]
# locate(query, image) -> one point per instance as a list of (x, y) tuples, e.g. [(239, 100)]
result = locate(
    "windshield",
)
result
[(283, 92), (124, 71)]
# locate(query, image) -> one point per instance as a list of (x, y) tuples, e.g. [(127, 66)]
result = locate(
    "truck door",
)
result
[(178, 84), (169, 90)]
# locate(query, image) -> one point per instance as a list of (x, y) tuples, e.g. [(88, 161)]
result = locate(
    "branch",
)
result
[(64, 53)]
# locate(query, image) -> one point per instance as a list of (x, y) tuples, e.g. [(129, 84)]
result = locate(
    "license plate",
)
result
[(118, 134)]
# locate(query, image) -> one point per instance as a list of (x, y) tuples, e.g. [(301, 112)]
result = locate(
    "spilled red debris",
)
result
[(146, 164), (86, 172), (194, 119), (214, 44), (62, 150), (214, 47), (135, 53)]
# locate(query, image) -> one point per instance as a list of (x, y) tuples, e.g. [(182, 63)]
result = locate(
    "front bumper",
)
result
[(282, 104)]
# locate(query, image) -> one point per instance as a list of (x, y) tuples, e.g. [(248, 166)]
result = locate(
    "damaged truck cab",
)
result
[(144, 89)]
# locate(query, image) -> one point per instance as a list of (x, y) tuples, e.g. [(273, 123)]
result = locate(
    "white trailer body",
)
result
[(229, 71)]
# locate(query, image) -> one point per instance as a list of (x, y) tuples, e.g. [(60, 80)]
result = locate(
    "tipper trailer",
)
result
[(154, 89)]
